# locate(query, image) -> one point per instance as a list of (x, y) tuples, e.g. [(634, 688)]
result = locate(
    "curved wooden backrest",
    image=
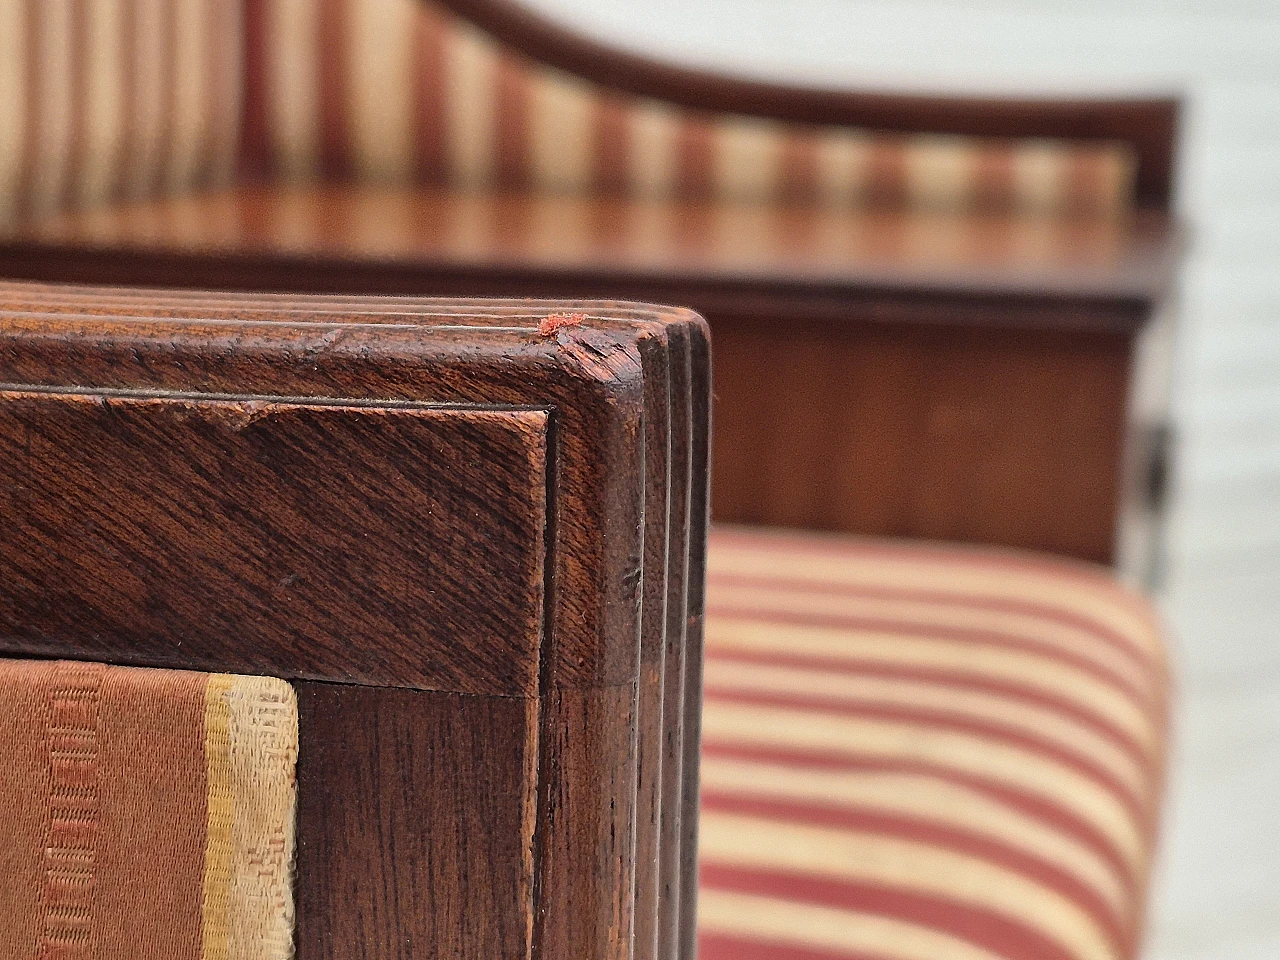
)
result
[(1148, 126), (486, 94), (105, 105)]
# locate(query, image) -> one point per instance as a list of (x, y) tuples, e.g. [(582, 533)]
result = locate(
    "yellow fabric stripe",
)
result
[(214, 927), (726, 632), (825, 928), (560, 134), (251, 745), (264, 757), (379, 89), (293, 84), (924, 614), (949, 750), (972, 705), (13, 78), (470, 106), (1104, 603), (905, 865), (925, 799)]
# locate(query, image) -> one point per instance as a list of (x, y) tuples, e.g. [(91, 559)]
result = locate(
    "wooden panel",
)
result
[(302, 540), (406, 814), (941, 434), (415, 824), (794, 261), (585, 843), (430, 352)]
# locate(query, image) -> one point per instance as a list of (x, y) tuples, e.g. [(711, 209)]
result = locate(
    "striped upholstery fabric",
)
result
[(114, 99), (108, 99), (147, 813), (917, 752), (398, 89)]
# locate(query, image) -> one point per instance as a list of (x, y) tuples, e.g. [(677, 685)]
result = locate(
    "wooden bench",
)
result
[(927, 309)]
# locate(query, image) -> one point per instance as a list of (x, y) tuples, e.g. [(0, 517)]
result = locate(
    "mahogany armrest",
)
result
[(472, 539)]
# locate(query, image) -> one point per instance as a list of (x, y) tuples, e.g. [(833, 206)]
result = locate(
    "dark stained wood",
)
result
[(784, 262), (332, 541), (860, 281), (590, 375), (700, 455), (675, 654), (585, 841), (657, 358), (1014, 439), (413, 801), (415, 824), (1148, 125)]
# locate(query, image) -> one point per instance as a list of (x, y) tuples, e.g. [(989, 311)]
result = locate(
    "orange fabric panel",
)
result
[(106, 766)]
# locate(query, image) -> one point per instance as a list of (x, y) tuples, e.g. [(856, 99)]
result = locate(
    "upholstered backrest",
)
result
[(128, 98), (106, 99), (397, 89)]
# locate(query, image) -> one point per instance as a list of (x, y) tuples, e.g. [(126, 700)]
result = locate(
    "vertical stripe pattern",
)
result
[(507, 122), (115, 99), (112, 99), (925, 753), (155, 813)]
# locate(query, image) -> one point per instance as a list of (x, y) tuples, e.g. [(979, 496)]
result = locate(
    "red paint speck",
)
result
[(551, 324)]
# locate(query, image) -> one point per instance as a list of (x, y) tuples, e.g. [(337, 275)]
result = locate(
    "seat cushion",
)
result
[(924, 752)]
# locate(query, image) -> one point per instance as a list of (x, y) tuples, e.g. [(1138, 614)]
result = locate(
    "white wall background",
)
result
[(1218, 893)]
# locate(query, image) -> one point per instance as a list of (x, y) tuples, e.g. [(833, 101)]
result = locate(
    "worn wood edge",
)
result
[(701, 385), (611, 395)]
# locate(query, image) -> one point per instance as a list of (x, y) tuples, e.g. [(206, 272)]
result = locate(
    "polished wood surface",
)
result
[(840, 405), (957, 435), (797, 261), (230, 506), (480, 824)]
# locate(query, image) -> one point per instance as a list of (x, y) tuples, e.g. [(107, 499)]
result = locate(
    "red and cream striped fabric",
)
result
[(920, 752), (109, 99), (392, 90)]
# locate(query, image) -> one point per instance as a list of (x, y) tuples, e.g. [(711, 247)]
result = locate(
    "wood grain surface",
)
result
[(415, 824), (469, 798), (790, 261), (332, 541)]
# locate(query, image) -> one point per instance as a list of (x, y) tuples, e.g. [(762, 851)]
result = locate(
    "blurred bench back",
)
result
[(124, 99)]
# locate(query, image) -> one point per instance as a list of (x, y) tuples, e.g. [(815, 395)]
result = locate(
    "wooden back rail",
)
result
[(476, 548), (1147, 125)]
